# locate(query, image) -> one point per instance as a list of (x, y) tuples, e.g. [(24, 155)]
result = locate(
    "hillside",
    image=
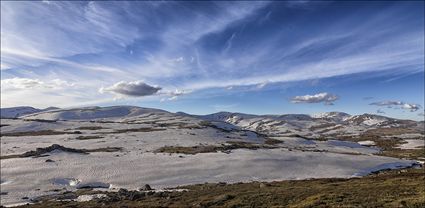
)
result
[(61, 150)]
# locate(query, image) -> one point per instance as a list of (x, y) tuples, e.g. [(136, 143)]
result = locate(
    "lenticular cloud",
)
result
[(135, 89)]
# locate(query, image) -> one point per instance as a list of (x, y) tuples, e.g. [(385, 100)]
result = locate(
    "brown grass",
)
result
[(120, 131), (271, 141), (389, 189), (90, 128), (38, 133), (230, 145), (88, 137), (389, 131), (40, 152)]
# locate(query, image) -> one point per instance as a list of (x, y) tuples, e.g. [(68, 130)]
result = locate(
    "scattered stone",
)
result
[(125, 194), (41, 151), (161, 194), (263, 185), (220, 199), (55, 190), (146, 187), (221, 183), (93, 185)]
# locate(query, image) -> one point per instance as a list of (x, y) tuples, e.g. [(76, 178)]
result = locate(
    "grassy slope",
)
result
[(405, 188)]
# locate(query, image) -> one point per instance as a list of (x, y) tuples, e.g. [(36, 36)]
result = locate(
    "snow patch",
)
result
[(84, 198), (66, 181), (412, 144), (367, 143)]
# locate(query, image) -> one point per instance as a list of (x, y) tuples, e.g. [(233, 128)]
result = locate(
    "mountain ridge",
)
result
[(27, 111)]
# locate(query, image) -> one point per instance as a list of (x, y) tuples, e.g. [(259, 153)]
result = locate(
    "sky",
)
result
[(259, 57)]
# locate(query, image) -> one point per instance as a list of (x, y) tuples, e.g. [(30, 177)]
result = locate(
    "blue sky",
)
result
[(202, 57)]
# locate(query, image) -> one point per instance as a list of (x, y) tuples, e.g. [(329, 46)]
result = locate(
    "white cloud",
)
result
[(411, 107), (134, 89), (387, 103), (51, 38), (324, 97), (174, 95), (26, 83), (20, 83), (398, 104), (43, 93)]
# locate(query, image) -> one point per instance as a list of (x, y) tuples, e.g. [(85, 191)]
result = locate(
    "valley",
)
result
[(108, 149)]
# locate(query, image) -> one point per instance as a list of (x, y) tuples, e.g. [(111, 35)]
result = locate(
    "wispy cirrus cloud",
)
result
[(379, 111), (324, 97), (58, 92), (193, 46), (387, 103), (398, 104), (173, 95), (25, 83)]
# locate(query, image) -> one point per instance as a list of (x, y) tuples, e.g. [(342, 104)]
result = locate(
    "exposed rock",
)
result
[(41, 151), (93, 185), (146, 187), (125, 194), (220, 199)]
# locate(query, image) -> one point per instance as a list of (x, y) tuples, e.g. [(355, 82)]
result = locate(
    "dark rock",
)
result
[(221, 183), (125, 194), (67, 196), (220, 199), (146, 187), (49, 160), (161, 194), (40, 151), (122, 191)]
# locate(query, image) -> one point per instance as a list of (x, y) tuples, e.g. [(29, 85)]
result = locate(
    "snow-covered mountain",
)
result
[(21, 111), (99, 145), (317, 125), (89, 113), (330, 124), (333, 116)]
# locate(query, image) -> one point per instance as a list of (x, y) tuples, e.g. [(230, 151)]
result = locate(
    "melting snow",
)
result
[(412, 144)]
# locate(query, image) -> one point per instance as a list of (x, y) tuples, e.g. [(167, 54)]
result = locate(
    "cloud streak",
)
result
[(200, 46), (398, 104)]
